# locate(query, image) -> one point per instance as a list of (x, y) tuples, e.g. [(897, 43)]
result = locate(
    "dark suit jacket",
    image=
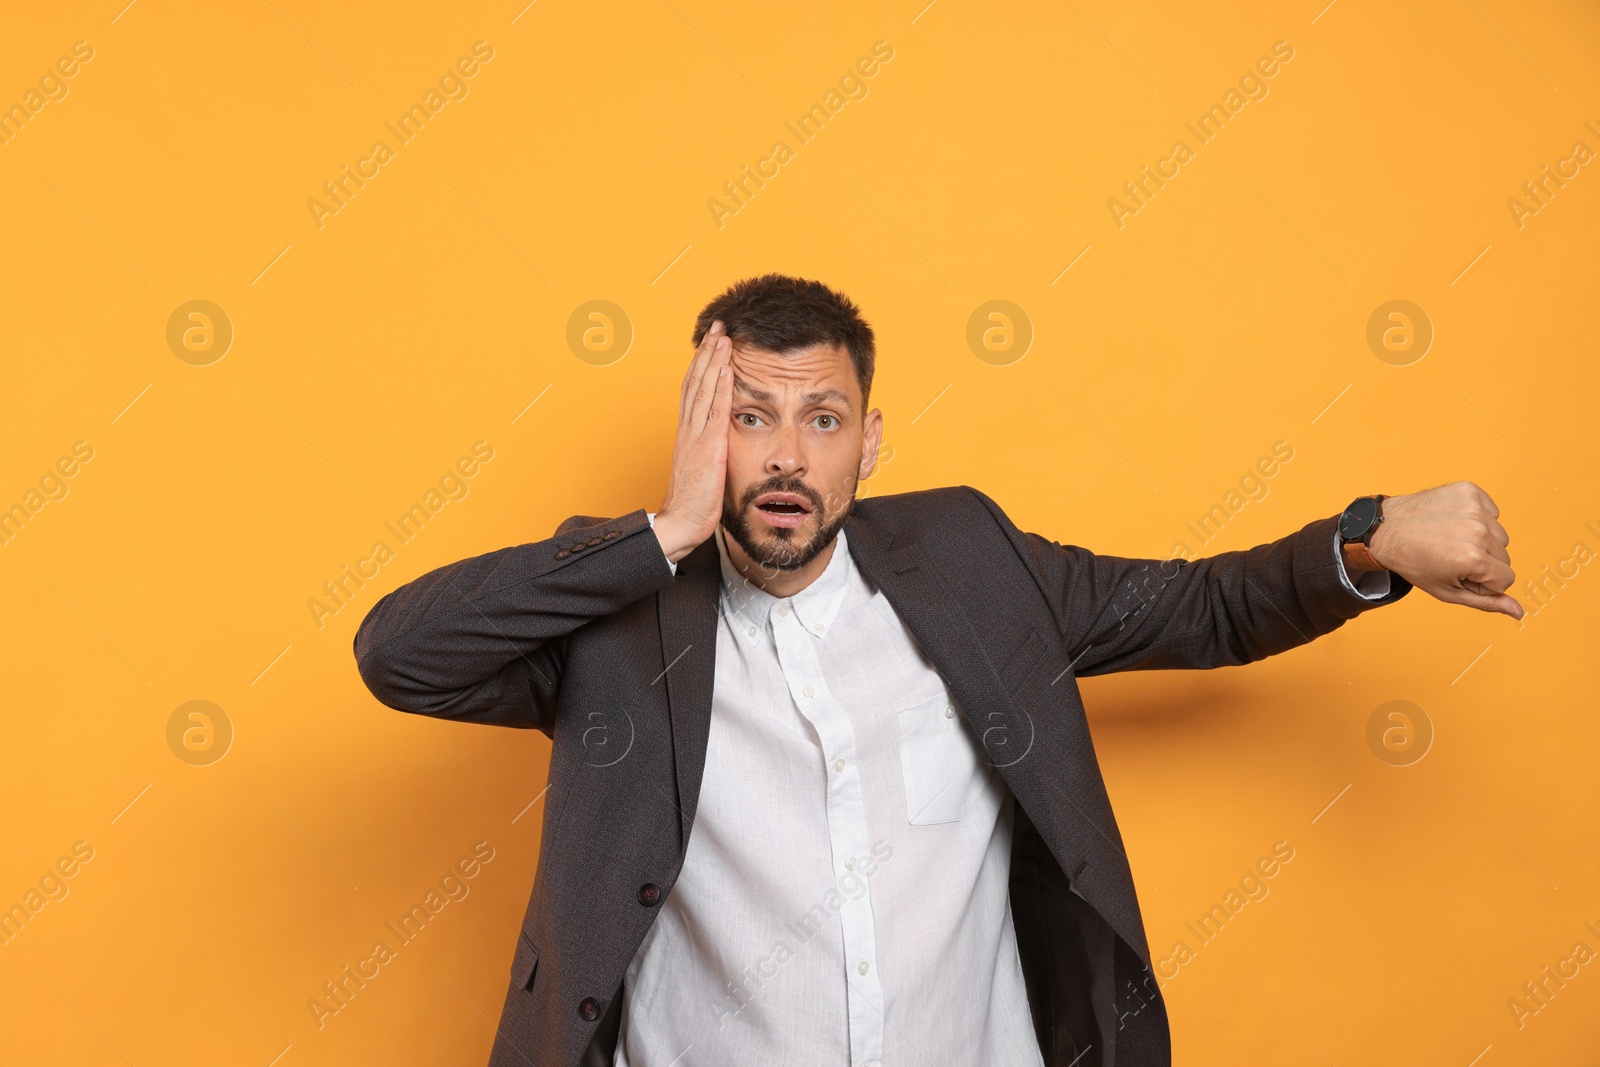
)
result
[(590, 638)]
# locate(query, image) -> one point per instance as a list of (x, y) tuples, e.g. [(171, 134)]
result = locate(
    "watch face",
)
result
[(1357, 518)]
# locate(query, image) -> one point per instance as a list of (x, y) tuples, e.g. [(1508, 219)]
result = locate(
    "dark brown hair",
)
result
[(784, 314)]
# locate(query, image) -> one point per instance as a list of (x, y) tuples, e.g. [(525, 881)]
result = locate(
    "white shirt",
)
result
[(844, 899)]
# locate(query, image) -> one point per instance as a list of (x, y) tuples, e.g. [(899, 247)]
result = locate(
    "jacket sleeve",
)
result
[(1119, 614), (484, 640)]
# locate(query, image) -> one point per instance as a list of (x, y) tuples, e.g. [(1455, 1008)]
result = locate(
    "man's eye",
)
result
[(826, 422), (747, 419)]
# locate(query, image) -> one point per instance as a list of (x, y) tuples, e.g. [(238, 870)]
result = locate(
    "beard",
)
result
[(780, 550)]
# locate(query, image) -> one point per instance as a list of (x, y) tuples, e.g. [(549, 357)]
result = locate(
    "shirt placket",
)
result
[(847, 830)]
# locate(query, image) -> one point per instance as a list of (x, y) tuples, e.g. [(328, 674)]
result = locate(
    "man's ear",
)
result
[(871, 440)]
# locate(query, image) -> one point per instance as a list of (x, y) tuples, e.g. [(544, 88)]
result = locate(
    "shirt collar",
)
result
[(815, 607)]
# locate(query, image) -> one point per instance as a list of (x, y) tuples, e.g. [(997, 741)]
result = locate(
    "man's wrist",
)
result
[(1380, 544), (673, 542), (650, 517)]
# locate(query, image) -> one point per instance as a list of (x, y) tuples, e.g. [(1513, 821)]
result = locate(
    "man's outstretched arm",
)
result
[(1119, 614)]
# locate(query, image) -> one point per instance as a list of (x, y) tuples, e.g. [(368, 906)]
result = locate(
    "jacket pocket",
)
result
[(525, 964), (938, 761)]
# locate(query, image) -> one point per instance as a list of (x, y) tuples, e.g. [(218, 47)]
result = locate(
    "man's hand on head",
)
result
[(1448, 541), (693, 504)]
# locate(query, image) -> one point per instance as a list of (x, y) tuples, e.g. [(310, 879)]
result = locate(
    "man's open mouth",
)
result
[(783, 509)]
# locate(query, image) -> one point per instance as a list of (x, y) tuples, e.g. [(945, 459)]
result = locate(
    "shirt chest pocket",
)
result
[(939, 761)]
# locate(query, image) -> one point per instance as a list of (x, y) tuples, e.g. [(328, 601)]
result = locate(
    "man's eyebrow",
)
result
[(827, 394), (751, 391), (815, 397)]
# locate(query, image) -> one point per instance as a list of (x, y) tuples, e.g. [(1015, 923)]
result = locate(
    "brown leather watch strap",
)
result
[(1358, 556)]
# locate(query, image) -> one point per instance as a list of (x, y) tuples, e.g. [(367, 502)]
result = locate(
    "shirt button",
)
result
[(838, 764), (850, 864), (589, 1008), (817, 627), (862, 966), (949, 712), (808, 691), (752, 631), (783, 609)]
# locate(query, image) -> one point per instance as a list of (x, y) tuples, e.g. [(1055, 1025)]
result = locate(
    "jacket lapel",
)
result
[(687, 615)]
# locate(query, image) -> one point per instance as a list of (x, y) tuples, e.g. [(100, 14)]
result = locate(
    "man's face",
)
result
[(799, 443)]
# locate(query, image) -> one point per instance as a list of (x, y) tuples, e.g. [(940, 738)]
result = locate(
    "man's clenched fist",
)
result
[(1448, 541)]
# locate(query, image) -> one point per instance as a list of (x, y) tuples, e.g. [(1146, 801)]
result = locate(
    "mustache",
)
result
[(783, 483)]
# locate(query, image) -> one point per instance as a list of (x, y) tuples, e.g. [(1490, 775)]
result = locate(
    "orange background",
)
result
[(370, 353)]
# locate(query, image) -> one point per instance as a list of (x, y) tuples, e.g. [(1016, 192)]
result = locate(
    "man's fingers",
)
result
[(696, 376), (1493, 575), (708, 389), (1500, 602), (1493, 602), (691, 377), (697, 368), (1498, 532), (691, 382), (722, 400), (1493, 581), (708, 386)]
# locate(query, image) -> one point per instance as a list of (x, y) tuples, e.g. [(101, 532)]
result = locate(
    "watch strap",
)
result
[(1359, 556)]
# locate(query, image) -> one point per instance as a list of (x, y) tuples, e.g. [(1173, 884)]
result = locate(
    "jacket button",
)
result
[(610, 535), (595, 541), (589, 1008), (579, 547), (649, 894), (562, 554)]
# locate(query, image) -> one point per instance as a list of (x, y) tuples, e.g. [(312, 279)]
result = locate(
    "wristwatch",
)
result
[(1356, 527)]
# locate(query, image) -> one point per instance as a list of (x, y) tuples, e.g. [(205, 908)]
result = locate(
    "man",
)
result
[(821, 786)]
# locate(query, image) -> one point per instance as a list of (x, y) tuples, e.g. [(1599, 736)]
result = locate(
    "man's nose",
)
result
[(787, 456)]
